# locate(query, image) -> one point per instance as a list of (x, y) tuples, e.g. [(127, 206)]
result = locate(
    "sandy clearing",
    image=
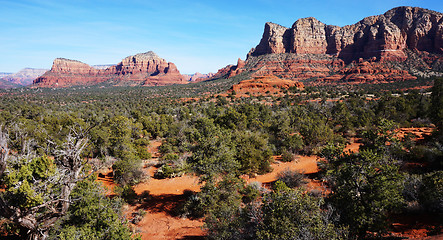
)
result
[(305, 164), (167, 194)]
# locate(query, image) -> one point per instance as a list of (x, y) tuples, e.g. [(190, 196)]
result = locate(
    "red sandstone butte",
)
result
[(387, 47), (144, 69)]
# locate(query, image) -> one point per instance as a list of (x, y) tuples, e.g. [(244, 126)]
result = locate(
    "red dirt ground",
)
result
[(166, 194), (416, 226), (419, 133), (305, 164), (353, 145)]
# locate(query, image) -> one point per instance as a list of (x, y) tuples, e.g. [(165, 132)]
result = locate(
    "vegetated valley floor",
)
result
[(165, 195)]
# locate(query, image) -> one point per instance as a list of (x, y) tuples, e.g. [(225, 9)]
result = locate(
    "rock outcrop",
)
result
[(264, 85), (66, 73), (231, 70), (386, 47), (383, 36), (145, 69)]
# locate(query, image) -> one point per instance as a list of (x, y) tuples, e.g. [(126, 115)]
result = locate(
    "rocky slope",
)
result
[(24, 77), (377, 48), (6, 84), (144, 69), (264, 84)]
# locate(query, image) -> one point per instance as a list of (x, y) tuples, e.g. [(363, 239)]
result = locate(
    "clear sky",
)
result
[(198, 36)]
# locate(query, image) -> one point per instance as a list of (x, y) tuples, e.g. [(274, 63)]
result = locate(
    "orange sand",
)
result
[(353, 146), (306, 164), (419, 133), (166, 194)]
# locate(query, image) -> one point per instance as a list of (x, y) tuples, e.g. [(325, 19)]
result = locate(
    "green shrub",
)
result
[(291, 178), (251, 192), (165, 171), (287, 156), (127, 171), (92, 215), (127, 193), (142, 152), (431, 193), (170, 158)]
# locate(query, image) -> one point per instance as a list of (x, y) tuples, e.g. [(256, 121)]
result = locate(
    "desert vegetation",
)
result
[(53, 142)]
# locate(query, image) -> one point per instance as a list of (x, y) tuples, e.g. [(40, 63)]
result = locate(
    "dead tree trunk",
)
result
[(37, 220)]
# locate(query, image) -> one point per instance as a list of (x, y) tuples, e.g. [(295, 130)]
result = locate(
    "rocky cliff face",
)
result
[(66, 73), (145, 69), (363, 52), (383, 36)]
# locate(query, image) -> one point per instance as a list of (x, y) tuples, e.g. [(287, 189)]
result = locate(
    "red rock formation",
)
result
[(308, 36), (384, 36), (231, 70), (264, 84), (145, 69), (66, 72), (378, 48), (368, 72), (225, 71)]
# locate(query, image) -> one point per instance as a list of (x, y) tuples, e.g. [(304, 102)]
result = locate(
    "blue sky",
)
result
[(198, 36)]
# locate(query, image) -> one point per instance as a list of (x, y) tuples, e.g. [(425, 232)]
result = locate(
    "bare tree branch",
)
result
[(4, 151), (38, 219)]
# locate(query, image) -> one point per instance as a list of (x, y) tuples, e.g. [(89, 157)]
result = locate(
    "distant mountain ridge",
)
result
[(198, 77), (143, 69), (102, 66), (21, 78), (6, 84), (387, 47), (4, 74)]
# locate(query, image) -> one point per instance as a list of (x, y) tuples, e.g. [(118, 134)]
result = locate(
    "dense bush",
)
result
[(371, 186), (431, 192), (92, 215), (292, 178), (281, 214), (128, 170)]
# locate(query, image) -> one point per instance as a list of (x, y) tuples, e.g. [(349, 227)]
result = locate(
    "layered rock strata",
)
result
[(386, 47), (145, 69), (264, 84), (383, 36)]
